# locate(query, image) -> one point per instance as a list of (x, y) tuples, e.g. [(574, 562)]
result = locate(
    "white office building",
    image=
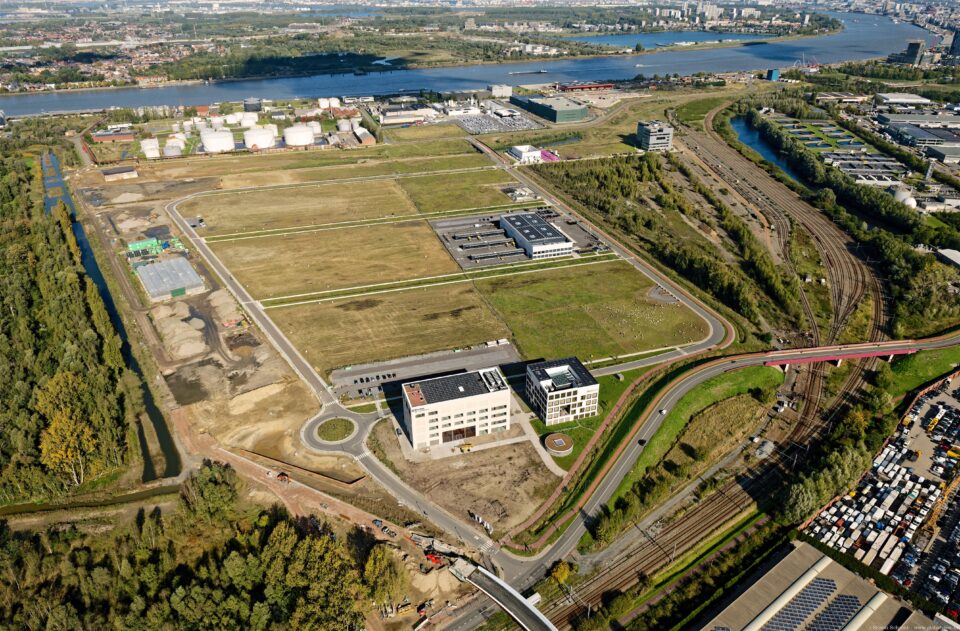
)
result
[(562, 390), (453, 409), (526, 154), (654, 136), (537, 237)]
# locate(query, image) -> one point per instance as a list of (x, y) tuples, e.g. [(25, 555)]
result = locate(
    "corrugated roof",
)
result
[(163, 277), (533, 228)]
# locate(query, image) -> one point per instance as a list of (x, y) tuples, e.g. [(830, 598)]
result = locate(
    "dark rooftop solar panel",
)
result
[(533, 228), (792, 616), (837, 614)]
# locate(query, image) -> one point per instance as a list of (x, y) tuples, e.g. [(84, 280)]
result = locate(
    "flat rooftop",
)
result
[(533, 228), (902, 97), (558, 102), (560, 374), (451, 387), (163, 277), (809, 590)]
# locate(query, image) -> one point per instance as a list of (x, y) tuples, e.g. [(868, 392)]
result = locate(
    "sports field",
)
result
[(475, 189), (265, 209), (387, 326), (333, 259), (592, 311)]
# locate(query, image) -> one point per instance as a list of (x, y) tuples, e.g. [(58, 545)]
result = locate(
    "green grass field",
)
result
[(425, 132), (912, 371), (592, 311), (476, 189), (334, 259), (266, 209), (710, 392), (352, 331), (336, 429)]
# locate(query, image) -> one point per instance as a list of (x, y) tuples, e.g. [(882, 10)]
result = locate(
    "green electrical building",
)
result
[(556, 109)]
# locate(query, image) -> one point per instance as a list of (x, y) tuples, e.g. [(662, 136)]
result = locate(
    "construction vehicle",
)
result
[(465, 448)]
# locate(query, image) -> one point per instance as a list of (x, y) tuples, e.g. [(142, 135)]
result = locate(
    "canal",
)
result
[(55, 191), (751, 137)]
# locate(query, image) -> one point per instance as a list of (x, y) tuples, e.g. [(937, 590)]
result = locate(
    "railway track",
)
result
[(850, 280)]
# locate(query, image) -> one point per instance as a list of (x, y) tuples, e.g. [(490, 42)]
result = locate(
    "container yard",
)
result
[(903, 519)]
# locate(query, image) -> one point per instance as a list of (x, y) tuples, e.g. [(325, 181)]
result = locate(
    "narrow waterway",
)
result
[(56, 191), (751, 137)]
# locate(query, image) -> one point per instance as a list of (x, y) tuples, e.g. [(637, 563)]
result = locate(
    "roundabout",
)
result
[(336, 430)]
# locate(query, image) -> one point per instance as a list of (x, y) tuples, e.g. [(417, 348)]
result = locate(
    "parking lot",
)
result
[(489, 122), (903, 518)]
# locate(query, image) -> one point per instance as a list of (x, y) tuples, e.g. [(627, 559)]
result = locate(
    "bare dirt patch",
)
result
[(504, 484)]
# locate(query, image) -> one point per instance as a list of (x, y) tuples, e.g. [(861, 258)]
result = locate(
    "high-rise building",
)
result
[(654, 136), (562, 390), (955, 44)]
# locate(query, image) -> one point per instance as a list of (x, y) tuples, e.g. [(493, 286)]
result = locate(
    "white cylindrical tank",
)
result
[(175, 127), (217, 141), (187, 125), (334, 101), (179, 136), (216, 121), (197, 120), (315, 127), (343, 125), (232, 118), (273, 129), (323, 103), (248, 119), (172, 151), (175, 142), (298, 136), (259, 138), (150, 148), (355, 123)]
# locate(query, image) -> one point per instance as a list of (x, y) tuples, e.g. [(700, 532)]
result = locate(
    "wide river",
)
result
[(864, 36)]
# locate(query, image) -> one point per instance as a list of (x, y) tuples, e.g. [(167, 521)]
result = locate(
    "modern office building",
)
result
[(526, 154), (654, 136), (955, 45), (455, 408), (912, 56), (556, 109), (773, 74), (539, 238), (562, 390)]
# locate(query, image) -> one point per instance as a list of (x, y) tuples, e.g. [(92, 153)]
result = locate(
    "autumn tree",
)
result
[(383, 574), (68, 446)]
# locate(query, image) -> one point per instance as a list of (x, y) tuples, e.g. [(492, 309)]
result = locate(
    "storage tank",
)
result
[(172, 151), (175, 142), (334, 101), (273, 129), (150, 148), (232, 119), (187, 125), (179, 136), (175, 127), (343, 125), (298, 136), (315, 127), (216, 121), (323, 103), (217, 141), (259, 138), (248, 120)]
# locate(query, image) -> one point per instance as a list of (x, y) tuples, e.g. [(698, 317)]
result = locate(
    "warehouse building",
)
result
[(902, 98), (562, 390), (556, 109), (168, 279), (807, 590), (455, 408), (537, 237), (500, 91), (915, 136), (943, 120), (946, 155), (119, 135), (114, 174), (654, 136), (526, 154)]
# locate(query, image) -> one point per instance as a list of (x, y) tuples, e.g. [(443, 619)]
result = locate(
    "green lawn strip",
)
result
[(694, 112), (912, 371), (279, 232), (364, 408), (709, 392), (336, 429), (426, 282), (624, 359)]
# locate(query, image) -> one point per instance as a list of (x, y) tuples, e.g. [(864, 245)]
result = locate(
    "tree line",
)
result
[(213, 562), (70, 404)]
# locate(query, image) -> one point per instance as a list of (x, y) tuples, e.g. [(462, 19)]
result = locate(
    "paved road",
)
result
[(526, 616)]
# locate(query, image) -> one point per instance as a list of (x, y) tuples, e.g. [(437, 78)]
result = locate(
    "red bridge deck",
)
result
[(831, 358)]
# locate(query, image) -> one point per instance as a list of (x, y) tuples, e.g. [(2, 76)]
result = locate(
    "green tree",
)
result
[(68, 446), (383, 574)]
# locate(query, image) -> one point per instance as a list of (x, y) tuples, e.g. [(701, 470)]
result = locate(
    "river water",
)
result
[(864, 36), (663, 38)]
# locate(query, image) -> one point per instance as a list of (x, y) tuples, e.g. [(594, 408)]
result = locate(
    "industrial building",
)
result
[(947, 120), (946, 155), (912, 56), (526, 154), (537, 237), (451, 409), (252, 105), (119, 135), (562, 390), (168, 279), (773, 74), (902, 98), (807, 590), (914, 136), (841, 97), (500, 91), (654, 136), (584, 86), (556, 109), (115, 174)]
